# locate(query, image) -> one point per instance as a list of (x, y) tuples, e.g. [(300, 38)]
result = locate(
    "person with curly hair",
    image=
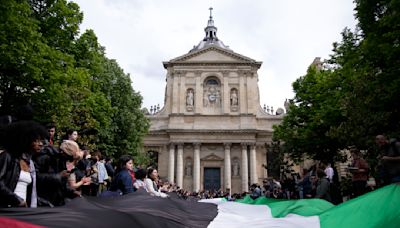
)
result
[(20, 141)]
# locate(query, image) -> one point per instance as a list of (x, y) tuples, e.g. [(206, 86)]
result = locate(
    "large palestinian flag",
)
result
[(380, 208)]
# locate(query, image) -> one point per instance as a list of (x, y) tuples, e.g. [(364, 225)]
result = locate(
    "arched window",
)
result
[(212, 81)]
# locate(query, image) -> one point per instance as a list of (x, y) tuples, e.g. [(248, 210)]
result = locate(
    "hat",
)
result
[(71, 148)]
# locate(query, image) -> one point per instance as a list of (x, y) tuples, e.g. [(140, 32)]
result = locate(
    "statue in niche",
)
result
[(189, 98), (234, 98), (188, 168), (235, 167)]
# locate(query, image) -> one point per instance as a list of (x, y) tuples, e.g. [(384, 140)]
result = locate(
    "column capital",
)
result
[(244, 145), (227, 145), (196, 145), (225, 73), (252, 146), (180, 145), (172, 145), (260, 145)]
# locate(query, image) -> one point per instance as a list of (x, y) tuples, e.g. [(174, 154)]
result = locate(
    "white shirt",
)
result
[(329, 173), (22, 185), (150, 189)]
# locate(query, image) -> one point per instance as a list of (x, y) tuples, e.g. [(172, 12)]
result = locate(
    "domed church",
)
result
[(212, 131)]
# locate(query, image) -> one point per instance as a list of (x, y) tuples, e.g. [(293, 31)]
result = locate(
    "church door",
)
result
[(212, 179)]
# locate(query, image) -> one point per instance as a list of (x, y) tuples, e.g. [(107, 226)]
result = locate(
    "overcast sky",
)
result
[(286, 35)]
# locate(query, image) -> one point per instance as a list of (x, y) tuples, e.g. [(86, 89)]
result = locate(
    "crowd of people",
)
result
[(35, 172)]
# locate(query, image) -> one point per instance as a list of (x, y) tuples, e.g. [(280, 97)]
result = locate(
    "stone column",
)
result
[(245, 172), (253, 165), (227, 164), (179, 166), (171, 164), (196, 167)]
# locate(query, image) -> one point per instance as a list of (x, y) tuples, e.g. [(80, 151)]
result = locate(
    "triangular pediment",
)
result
[(212, 157), (212, 54)]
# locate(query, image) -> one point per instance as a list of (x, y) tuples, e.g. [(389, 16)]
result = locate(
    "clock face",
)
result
[(212, 97)]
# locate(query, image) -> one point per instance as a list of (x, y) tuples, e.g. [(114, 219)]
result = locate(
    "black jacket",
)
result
[(50, 185), (9, 175)]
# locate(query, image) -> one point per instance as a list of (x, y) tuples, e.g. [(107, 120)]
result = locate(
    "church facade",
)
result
[(212, 132)]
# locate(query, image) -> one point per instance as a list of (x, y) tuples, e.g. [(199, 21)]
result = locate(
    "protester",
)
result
[(72, 135), (109, 167), (140, 175), (305, 185), (17, 170), (51, 129), (99, 173), (255, 191), (85, 170), (151, 183), (75, 181), (329, 172), (390, 159), (359, 170), (322, 186), (123, 180)]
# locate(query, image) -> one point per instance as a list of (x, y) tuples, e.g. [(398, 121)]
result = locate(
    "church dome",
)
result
[(211, 38)]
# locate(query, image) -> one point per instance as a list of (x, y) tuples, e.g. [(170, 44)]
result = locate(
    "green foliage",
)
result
[(66, 78), (355, 96), (278, 166), (306, 129)]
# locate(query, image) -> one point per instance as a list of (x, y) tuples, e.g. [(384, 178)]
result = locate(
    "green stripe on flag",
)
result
[(280, 208), (380, 208)]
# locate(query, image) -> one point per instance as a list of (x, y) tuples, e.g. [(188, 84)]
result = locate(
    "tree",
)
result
[(22, 52), (127, 124), (371, 103), (305, 130), (356, 96), (65, 77), (58, 20)]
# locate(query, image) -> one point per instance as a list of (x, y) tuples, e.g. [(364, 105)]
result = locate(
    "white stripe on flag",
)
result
[(232, 214)]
